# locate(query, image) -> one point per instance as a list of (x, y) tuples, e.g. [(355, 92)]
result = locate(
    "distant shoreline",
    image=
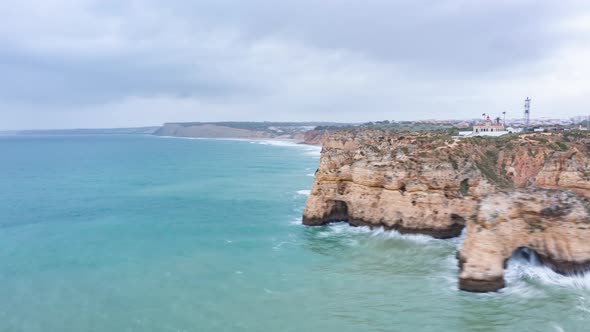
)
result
[(257, 139)]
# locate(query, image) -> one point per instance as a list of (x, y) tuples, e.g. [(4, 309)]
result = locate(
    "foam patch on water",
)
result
[(304, 192), (557, 327), (311, 174), (340, 229), (392, 234), (520, 271), (312, 150), (283, 243), (523, 275)]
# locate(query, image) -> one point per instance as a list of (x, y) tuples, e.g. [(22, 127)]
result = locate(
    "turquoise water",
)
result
[(121, 233)]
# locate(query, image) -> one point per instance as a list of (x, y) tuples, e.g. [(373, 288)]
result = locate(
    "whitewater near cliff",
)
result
[(438, 185)]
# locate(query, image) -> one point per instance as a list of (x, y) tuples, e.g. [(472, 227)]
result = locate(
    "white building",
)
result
[(486, 128)]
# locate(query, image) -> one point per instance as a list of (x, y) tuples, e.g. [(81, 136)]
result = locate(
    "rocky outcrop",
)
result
[(553, 223), (378, 181), (408, 183), (435, 184), (316, 137)]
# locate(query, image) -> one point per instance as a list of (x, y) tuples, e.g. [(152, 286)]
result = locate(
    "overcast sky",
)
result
[(115, 63)]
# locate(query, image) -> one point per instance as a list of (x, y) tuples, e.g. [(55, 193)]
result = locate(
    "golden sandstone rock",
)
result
[(436, 185)]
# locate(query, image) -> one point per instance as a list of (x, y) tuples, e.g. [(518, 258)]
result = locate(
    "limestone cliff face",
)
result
[(547, 161), (316, 137), (566, 170), (436, 185), (409, 183), (553, 223)]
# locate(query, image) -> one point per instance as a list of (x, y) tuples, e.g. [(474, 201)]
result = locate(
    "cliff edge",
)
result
[(438, 185)]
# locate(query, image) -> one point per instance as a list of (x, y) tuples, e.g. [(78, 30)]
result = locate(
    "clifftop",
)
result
[(510, 161)]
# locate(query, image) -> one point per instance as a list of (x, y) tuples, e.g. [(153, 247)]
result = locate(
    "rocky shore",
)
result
[(517, 191)]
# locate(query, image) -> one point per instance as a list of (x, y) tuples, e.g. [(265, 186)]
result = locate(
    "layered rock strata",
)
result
[(434, 184), (555, 224), (413, 184)]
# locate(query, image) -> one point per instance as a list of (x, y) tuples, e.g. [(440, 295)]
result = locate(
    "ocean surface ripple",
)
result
[(131, 233)]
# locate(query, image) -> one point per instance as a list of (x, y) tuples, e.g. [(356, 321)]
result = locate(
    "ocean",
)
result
[(144, 233)]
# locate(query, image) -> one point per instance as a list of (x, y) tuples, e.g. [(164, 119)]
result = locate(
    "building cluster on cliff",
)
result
[(488, 127)]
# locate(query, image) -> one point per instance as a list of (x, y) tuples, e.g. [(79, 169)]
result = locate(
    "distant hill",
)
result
[(245, 130)]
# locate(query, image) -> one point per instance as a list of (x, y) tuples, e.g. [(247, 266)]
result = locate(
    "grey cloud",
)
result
[(466, 36), (67, 81), (312, 59)]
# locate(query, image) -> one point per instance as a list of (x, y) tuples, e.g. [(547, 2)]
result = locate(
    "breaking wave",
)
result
[(344, 229), (524, 273), (524, 269), (312, 150)]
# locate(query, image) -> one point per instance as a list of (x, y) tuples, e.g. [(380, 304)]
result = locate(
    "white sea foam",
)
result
[(458, 241), (304, 192), (311, 174), (280, 244), (522, 274), (557, 327), (311, 150), (392, 234), (523, 277), (345, 229), (520, 271)]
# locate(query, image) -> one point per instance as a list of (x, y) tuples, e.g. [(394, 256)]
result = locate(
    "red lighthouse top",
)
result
[(488, 118)]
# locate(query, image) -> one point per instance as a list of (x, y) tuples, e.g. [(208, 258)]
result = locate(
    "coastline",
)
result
[(315, 149), (255, 139)]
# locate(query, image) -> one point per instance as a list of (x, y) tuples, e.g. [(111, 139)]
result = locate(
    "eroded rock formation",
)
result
[(374, 180), (553, 223), (434, 184)]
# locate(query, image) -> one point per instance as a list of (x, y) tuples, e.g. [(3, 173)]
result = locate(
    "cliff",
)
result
[(302, 132), (316, 137), (555, 224), (435, 184)]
